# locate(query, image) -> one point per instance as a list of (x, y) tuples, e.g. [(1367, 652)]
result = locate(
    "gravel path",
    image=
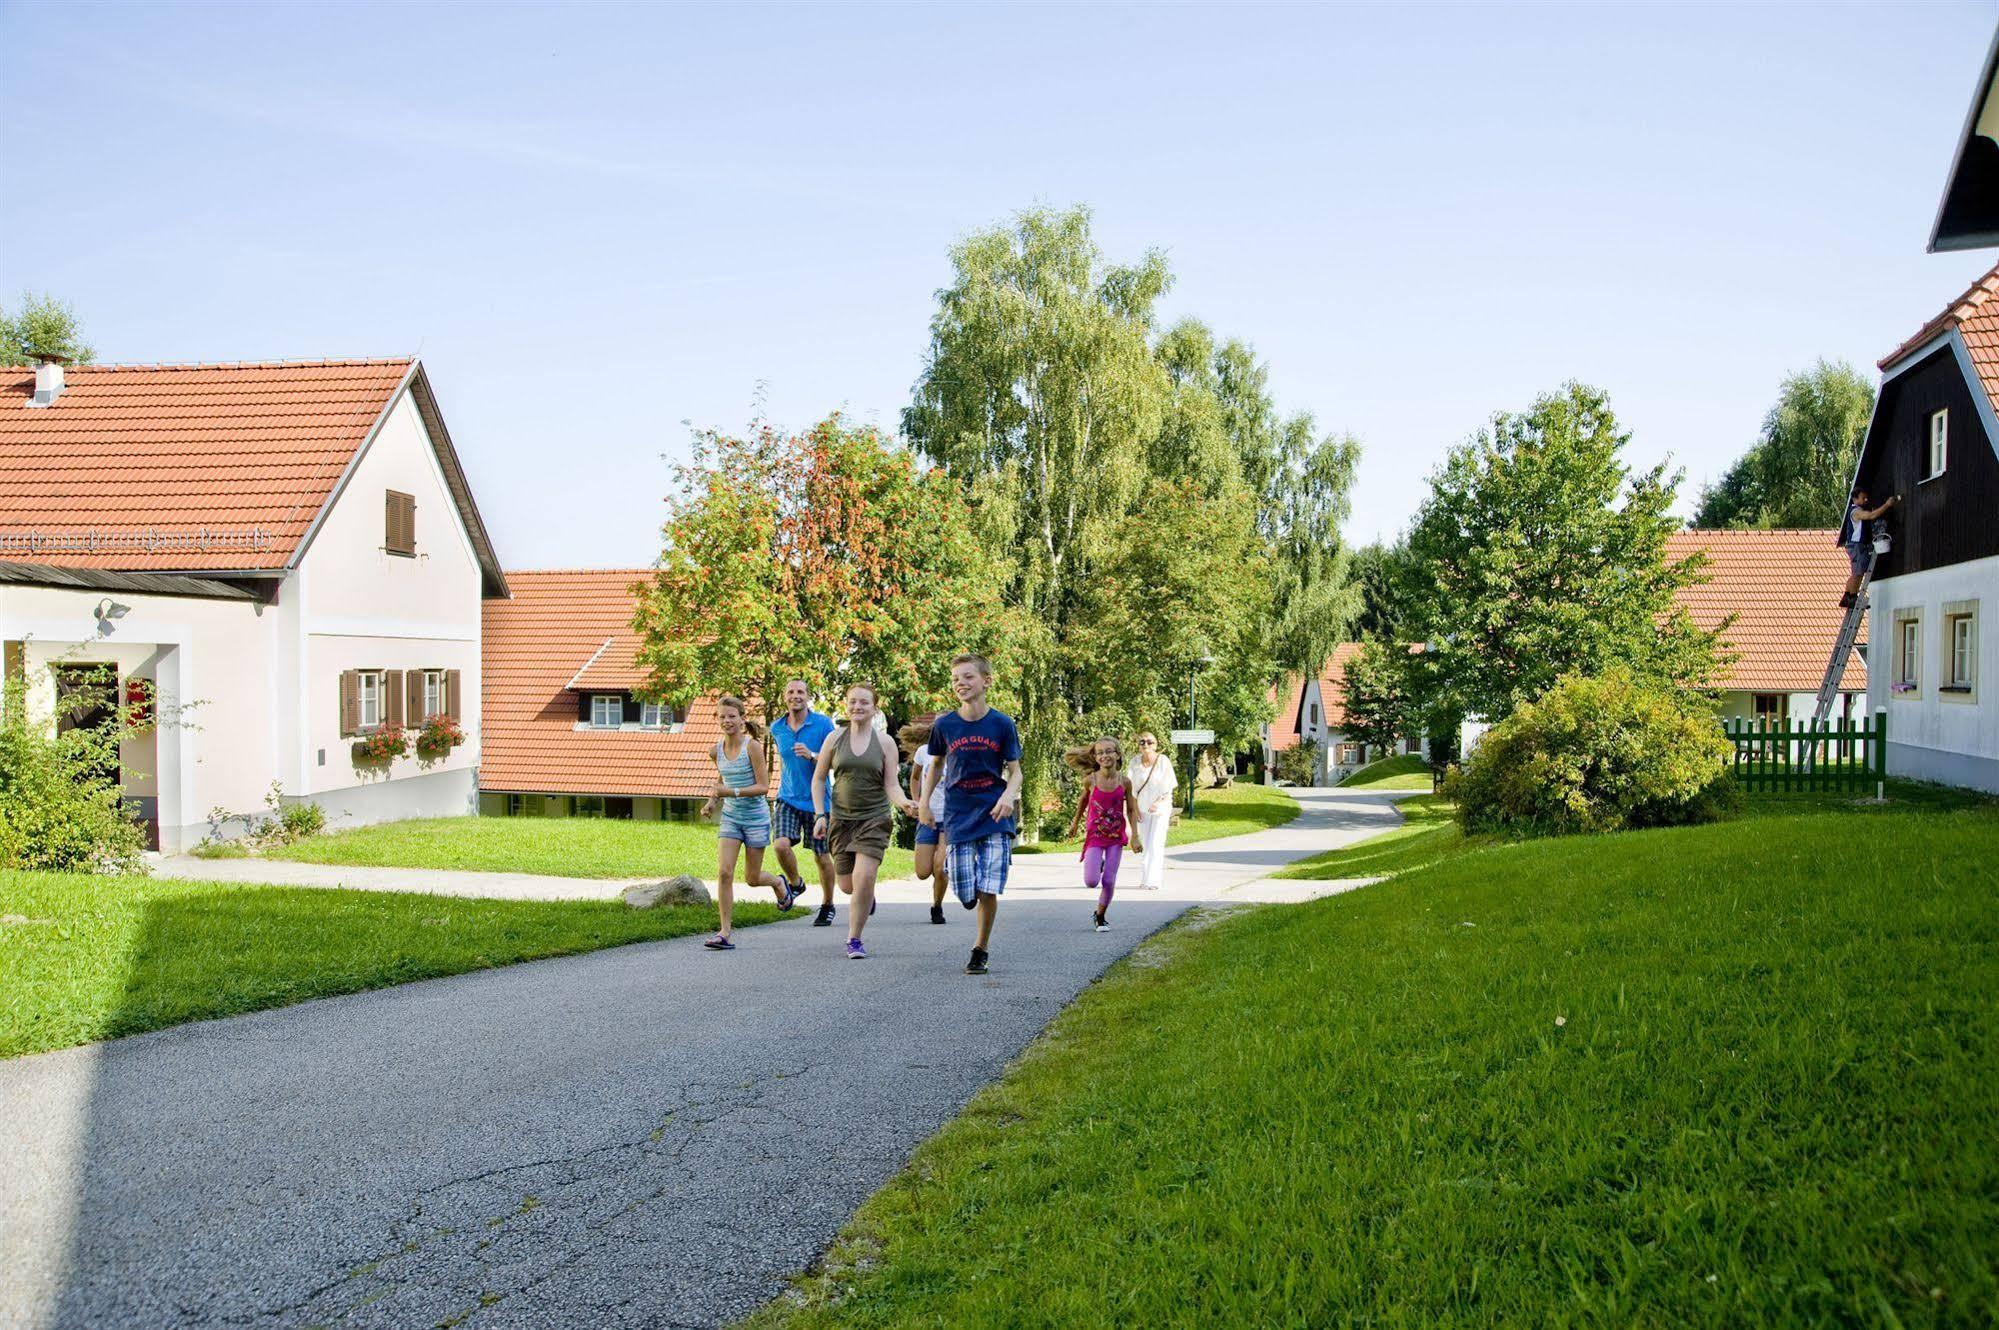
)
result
[(649, 1136)]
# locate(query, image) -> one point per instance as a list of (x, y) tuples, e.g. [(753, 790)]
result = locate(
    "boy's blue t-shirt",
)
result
[(795, 784), (975, 754)]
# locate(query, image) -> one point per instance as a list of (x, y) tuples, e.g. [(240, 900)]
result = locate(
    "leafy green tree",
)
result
[(1382, 574), (42, 328), (826, 555), (1797, 472), (1378, 695), (1042, 394), (61, 808), (1540, 553)]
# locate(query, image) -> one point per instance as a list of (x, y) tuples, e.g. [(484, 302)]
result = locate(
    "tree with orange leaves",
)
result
[(827, 555)]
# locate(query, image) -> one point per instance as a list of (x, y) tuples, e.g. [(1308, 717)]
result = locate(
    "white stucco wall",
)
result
[(1932, 735), (210, 661), (361, 607)]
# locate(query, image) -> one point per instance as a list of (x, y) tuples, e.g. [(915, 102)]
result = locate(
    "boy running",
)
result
[(980, 777), (799, 734)]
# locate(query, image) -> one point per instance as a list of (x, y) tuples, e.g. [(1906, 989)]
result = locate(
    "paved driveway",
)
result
[(649, 1136)]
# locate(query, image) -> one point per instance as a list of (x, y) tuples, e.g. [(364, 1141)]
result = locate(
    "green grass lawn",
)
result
[(1742, 1074), (1429, 832), (84, 957), (559, 846), (1235, 811), (1408, 771)]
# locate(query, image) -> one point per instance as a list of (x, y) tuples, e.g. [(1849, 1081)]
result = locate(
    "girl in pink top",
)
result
[(1111, 812)]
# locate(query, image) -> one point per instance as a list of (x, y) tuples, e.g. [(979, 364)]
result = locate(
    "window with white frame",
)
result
[(433, 694), (1908, 676), (1960, 646), (371, 699), (607, 711), (655, 715), (1939, 442)]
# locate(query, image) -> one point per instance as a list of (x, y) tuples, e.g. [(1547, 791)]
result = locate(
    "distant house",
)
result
[(287, 553), (1934, 440), (1314, 710), (1783, 589), (565, 733)]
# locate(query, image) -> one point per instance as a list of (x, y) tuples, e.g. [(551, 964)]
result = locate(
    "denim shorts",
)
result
[(753, 834), (926, 835), (1858, 555)]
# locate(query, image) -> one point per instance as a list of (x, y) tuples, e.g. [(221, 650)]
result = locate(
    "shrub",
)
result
[(1298, 763), (1597, 754), (60, 806)]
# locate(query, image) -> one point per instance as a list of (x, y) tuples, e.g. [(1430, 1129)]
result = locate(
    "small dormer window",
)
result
[(400, 535), (1939, 442), (607, 711)]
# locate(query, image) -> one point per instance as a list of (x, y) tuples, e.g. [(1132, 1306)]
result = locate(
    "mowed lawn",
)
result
[(558, 846), (1235, 811), (1744, 1074), (1405, 771), (84, 957)]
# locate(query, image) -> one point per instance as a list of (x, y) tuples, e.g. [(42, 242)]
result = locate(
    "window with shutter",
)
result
[(415, 684), (401, 524), (451, 695), (393, 696)]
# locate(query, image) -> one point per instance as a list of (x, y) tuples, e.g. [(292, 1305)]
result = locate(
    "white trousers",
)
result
[(1152, 831)]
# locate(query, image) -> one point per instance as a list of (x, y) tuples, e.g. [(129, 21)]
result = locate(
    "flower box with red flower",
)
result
[(383, 744), (439, 735)]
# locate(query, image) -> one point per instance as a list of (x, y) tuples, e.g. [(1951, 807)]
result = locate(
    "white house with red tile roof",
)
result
[(1314, 710), (289, 552), (565, 733), (1782, 589), (1934, 601)]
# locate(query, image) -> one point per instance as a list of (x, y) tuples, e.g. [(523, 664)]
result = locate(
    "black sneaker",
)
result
[(936, 914), (1103, 924), (824, 919), (976, 965)]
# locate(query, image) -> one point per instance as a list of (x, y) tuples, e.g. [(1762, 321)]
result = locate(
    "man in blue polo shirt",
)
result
[(797, 735)]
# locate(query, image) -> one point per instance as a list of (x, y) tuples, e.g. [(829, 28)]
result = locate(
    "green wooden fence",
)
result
[(1787, 756)]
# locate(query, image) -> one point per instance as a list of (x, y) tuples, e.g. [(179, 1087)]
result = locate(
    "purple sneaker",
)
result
[(855, 951)]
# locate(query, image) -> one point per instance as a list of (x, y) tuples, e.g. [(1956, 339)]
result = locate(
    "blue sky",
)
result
[(597, 223)]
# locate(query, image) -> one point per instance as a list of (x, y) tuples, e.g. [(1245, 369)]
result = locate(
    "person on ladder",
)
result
[(1859, 545)]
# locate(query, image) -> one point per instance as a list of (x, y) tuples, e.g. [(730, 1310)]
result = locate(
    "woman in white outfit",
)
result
[(1152, 784)]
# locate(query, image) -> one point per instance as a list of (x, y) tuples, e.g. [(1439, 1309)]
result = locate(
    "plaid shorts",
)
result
[(796, 827), (980, 866)]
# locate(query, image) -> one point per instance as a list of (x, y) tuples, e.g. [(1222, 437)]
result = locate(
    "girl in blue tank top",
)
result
[(741, 784)]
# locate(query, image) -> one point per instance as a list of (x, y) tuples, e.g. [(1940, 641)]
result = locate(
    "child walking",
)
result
[(980, 776), (863, 771), (740, 786), (1110, 808), (931, 857)]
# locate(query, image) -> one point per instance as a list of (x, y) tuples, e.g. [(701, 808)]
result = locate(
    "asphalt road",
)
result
[(649, 1136)]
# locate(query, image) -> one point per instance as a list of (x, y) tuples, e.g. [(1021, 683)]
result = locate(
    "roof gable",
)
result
[(200, 468)]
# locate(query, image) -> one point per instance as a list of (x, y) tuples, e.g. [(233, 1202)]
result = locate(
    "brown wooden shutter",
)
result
[(414, 692), (451, 694), (392, 698), (350, 702), (400, 523)]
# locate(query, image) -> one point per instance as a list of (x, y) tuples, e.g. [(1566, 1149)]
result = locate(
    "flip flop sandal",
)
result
[(719, 943)]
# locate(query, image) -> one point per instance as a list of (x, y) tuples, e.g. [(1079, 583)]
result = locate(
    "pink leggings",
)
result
[(1100, 867)]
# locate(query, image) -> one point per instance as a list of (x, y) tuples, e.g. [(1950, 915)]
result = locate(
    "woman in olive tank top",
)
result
[(862, 765)]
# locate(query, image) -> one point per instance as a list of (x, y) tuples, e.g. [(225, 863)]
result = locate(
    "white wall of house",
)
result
[(1934, 734), (210, 661), (360, 607)]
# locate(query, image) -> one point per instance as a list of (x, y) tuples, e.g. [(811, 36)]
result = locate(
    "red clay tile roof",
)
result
[(1289, 695), (1975, 315), (175, 449), (1784, 588), (537, 642)]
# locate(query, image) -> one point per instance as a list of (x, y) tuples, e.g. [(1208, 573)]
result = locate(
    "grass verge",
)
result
[(84, 958), (1406, 771), (1429, 832), (558, 846), (1735, 1074), (1235, 811)]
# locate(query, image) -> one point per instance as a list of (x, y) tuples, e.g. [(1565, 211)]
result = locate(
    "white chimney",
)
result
[(48, 382)]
